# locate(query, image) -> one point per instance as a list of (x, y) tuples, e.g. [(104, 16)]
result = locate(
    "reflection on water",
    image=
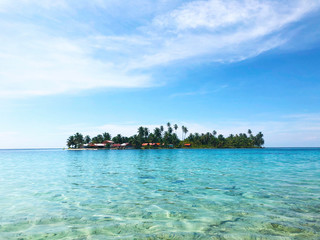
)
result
[(160, 194)]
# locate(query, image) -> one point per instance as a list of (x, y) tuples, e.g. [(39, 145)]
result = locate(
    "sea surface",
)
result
[(271, 193)]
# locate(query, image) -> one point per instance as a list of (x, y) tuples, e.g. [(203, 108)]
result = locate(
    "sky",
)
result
[(94, 66)]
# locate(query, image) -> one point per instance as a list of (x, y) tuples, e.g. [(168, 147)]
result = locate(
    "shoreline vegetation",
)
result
[(161, 138)]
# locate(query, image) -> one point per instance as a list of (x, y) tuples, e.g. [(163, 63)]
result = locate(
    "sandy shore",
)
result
[(80, 149)]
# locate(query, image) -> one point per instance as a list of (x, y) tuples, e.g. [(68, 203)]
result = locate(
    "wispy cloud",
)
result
[(49, 47), (183, 94), (227, 31), (304, 117), (199, 92), (40, 65)]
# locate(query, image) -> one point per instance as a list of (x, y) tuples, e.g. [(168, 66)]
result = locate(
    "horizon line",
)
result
[(43, 148)]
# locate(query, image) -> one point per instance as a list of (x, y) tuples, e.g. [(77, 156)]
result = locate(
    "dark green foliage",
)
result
[(120, 139), (75, 141), (87, 139), (106, 136), (168, 138), (209, 140)]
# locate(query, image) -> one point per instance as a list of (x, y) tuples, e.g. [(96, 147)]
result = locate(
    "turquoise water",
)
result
[(160, 194)]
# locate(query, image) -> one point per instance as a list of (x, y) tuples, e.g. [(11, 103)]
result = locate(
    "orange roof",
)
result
[(144, 144), (187, 144)]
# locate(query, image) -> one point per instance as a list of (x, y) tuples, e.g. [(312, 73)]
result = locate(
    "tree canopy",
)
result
[(170, 137)]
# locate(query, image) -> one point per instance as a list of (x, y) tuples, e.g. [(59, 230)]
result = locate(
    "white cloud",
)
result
[(214, 15), (20, 5), (227, 31), (48, 47), (304, 117), (43, 65)]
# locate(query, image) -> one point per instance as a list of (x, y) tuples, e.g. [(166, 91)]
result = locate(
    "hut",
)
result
[(115, 146)]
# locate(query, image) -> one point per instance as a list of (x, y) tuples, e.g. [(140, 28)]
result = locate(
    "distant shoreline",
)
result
[(85, 149), (64, 148), (45, 148)]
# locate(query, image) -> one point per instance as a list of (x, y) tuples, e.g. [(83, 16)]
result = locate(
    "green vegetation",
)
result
[(169, 137)]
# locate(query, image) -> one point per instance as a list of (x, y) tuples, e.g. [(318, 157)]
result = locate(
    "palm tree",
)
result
[(134, 140), (214, 132), (118, 139), (78, 137), (146, 133), (168, 124), (258, 140), (182, 128), (141, 132), (185, 131), (157, 134), (175, 127), (221, 140), (191, 137), (175, 139), (161, 129), (250, 135), (94, 140), (151, 138), (167, 138), (100, 138), (106, 136), (87, 139), (71, 142)]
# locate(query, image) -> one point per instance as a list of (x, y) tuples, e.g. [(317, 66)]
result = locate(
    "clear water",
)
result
[(160, 194)]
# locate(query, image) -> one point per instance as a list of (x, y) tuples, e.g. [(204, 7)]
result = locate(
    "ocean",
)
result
[(271, 193)]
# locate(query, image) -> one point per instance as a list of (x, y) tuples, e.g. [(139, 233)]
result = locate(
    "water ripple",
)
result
[(160, 194)]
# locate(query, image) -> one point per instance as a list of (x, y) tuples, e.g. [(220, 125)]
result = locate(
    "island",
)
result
[(165, 138)]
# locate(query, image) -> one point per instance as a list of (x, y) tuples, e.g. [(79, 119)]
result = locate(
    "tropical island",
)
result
[(165, 138)]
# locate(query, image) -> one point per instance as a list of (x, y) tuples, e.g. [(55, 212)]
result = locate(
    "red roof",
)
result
[(187, 144), (116, 145), (144, 144)]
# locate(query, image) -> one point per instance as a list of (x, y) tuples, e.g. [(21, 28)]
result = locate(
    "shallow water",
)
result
[(160, 194)]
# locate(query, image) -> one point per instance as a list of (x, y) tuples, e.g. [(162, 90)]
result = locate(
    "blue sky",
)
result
[(106, 65)]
